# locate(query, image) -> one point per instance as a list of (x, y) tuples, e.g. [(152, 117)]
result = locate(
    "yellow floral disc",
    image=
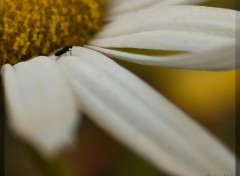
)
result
[(37, 27)]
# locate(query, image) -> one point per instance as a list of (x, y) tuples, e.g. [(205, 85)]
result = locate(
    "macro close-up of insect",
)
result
[(67, 50)]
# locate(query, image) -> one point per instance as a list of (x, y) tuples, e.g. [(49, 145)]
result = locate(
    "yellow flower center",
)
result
[(29, 28)]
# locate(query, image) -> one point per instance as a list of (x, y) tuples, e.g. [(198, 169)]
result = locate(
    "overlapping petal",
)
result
[(209, 34), (175, 40), (214, 21), (41, 106), (123, 6), (116, 9), (141, 118), (217, 59)]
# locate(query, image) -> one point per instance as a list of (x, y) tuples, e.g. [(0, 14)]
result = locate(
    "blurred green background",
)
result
[(209, 97)]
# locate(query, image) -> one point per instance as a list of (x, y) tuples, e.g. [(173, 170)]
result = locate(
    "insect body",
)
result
[(64, 50)]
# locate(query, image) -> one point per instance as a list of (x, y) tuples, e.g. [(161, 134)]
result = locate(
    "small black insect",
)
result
[(64, 50)]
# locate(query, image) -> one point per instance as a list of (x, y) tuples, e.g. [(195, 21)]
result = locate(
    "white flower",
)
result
[(44, 96)]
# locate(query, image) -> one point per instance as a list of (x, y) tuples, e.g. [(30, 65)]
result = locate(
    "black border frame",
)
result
[(237, 135), (2, 129)]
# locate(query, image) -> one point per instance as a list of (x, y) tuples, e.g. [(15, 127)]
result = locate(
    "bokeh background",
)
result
[(208, 97)]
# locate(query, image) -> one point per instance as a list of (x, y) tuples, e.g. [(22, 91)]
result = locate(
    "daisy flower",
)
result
[(45, 95)]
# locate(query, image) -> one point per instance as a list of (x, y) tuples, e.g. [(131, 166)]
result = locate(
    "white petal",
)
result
[(122, 8), (142, 119), (217, 59), (40, 104), (166, 40), (214, 21)]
